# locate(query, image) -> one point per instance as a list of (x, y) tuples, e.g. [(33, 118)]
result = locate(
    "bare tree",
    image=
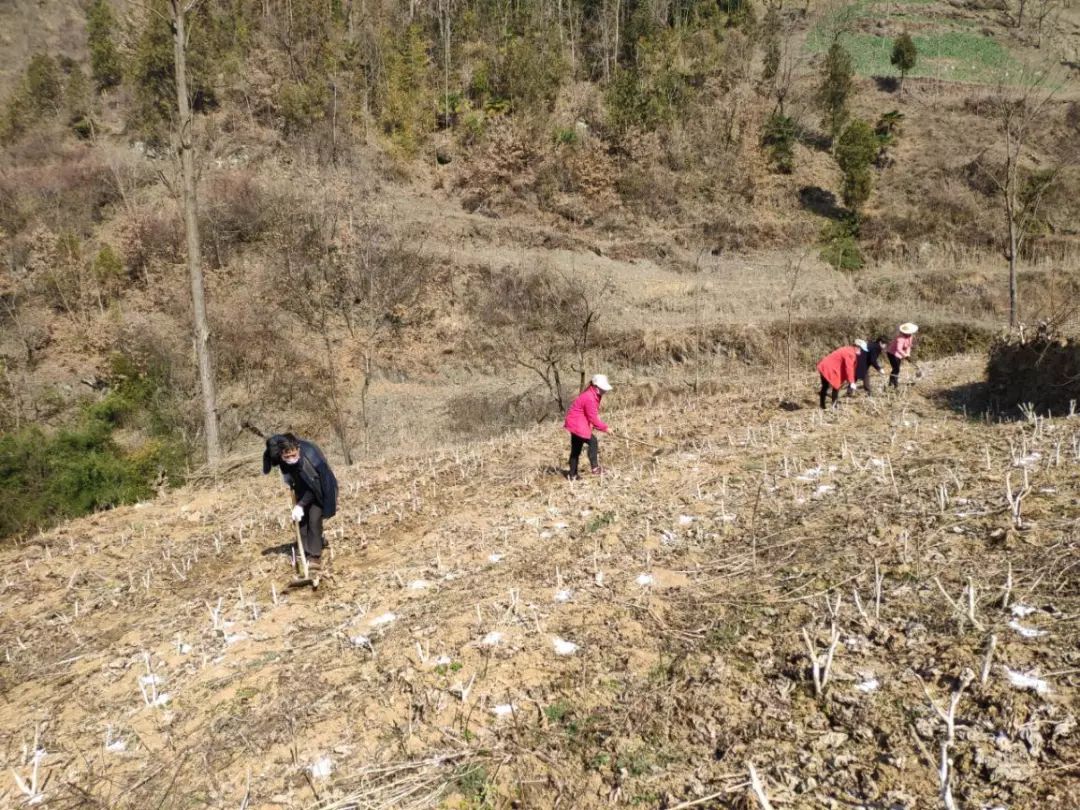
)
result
[(1019, 108), (183, 136), (351, 284), (543, 321), (1021, 7), (787, 61), (1045, 11)]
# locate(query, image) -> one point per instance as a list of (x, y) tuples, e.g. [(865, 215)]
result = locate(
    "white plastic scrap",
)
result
[(419, 585), (563, 647), (809, 475), (385, 619), (491, 639), (1026, 632), (503, 710), (114, 746), (1029, 460), (321, 768), (644, 580), (563, 595), (233, 638), (1027, 680), (870, 685), (685, 520), (1022, 610), (495, 557), (362, 641), (823, 490)]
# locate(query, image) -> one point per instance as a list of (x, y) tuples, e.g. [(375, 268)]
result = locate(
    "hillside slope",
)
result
[(426, 671)]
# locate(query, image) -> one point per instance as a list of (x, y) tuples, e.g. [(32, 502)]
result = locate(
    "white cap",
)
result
[(861, 344), (909, 328), (601, 382)]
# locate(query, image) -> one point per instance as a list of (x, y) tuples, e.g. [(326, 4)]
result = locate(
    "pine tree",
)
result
[(904, 55), (856, 150), (835, 91), (105, 64)]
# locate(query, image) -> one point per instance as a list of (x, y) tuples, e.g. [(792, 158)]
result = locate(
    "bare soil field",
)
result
[(871, 607)]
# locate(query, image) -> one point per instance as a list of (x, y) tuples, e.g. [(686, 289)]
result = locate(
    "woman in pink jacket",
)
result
[(899, 350), (581, 418)]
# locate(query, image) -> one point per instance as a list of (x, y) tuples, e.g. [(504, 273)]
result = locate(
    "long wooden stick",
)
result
[(638, 441), (301, 557)]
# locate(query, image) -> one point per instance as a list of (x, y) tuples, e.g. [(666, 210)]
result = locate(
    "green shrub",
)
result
[(301, 105), (566, 136), (903, 57), (856, 151), (840, 247), (407, 111), (105, 62), (39, 93), (151, 71), (778, 139), (835, 90), (80, 468)]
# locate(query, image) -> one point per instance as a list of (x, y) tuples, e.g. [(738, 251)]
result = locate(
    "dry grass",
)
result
[(753, 524)]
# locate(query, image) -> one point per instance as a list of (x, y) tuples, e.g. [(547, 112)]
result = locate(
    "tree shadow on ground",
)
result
[(815, 140), (821, 202), (971, 399), (887, 84)]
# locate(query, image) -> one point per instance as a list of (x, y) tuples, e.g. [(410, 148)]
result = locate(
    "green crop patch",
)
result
[(948, 49)]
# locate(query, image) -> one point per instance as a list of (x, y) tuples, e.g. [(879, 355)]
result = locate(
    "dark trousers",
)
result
[(825, 387), (576, 443), (865, 380), (894, 375), (311, 534)]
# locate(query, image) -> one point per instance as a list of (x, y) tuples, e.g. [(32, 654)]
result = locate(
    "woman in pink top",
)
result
[(581, 418), (900, 349)]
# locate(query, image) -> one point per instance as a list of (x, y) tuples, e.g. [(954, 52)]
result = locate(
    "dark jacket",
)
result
[(867, 359), (311, 477)]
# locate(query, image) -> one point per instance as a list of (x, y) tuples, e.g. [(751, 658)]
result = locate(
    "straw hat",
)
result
[(861, 344), (909, 328), (601, 382)]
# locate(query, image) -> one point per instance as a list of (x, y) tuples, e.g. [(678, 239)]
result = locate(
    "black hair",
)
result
[(880, 339), (281, 443)]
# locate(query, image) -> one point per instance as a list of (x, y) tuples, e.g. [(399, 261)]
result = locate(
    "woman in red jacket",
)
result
[(838, 368), (581, 418)]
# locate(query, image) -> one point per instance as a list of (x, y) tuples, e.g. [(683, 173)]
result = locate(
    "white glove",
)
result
[(297, 513)]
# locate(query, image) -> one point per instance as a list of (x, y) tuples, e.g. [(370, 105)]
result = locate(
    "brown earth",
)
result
[(690, 569)]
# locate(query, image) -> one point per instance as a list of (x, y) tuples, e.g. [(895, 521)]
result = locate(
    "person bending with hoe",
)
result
[(838, 368), (869, 357), (306, 472), (899, 350), (581, 418)]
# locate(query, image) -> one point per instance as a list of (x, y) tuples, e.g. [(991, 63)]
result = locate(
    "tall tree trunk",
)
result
[(184, 135), (1014, 314)]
